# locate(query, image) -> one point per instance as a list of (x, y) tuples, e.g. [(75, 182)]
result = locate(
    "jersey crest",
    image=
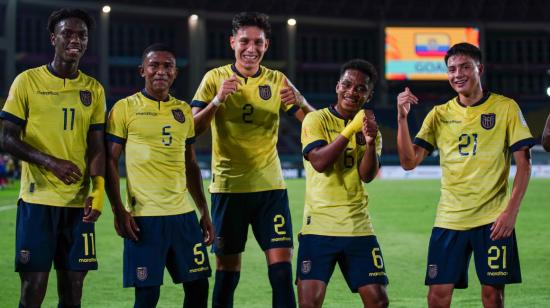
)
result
[(488, 120), (141, 273), (178, 115), (86, 97), (265, 92)]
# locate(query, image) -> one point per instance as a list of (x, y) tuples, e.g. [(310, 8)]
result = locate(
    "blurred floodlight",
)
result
[(291, 22), (194, 17), (106, 9), (548, 91)]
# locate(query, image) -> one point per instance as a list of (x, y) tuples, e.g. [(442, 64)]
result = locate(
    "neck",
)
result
[(471, 98), (158, 95), (247, 72), (346, 115), (63, 68)]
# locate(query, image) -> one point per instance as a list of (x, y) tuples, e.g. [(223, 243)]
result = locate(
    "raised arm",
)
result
[(410, 155), (291, 96), (194, 185), (369, 165), (546, 135), (202, 116)]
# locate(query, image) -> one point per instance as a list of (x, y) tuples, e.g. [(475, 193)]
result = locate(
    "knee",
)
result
[(438, 299), (230, 263), (33, 290), (380, 301), (492, 297), (311, 301)]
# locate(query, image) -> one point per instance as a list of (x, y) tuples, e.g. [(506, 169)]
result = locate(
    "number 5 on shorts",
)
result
[(199, 254)]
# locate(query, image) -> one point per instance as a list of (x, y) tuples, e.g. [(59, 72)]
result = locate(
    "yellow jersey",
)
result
[(154, 134), (336, 202), (56, 115), (475, 147), (244, 130)]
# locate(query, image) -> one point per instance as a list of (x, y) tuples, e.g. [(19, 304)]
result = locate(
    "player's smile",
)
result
[(352, 91), (70, 39), (464, 74), (250, 45)]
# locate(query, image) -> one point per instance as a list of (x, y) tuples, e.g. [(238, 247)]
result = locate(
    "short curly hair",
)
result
[(364, 67), (465, 49), (63, 14), (247, 19)]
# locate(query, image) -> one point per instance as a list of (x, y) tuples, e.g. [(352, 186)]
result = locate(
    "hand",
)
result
[(65, 170), (354, 126), (404, 101), (125, 225), (290, 95), (229, 86), (370, 127), (503, 226), (90, 214), (207, 229)]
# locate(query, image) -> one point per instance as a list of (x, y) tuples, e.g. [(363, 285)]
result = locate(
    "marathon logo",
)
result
[(88, 260)]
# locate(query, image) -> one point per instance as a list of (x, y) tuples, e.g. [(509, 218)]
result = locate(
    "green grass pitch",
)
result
[(403, 213)]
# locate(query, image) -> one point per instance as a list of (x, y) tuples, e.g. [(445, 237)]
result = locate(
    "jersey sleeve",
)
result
[(426, 136), (517, 131), (190, 139), (98, 116), (16, 107), (206, 91), (117, 128), (312, 133)]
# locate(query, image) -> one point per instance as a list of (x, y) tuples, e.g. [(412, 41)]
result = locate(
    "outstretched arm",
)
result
[(291, 96)]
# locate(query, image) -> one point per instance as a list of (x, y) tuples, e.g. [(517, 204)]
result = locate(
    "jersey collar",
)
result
[(481, 101), (236, 71), (53, 72), (335, 112), (144, 93)]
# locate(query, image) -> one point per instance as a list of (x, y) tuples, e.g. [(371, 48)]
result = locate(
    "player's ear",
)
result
[(232, 42), (52, 39), (369, 96), (481, 69), (141, 71), (267, 44)]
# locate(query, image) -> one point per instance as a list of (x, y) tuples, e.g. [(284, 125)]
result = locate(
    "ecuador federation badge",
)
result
[(141, 273), (488, 120), (265, 92), (86, 97), (178, 115)]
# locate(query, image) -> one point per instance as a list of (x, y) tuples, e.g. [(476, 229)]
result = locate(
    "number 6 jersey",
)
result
[(475, 146), (55, 115), (244, 130)]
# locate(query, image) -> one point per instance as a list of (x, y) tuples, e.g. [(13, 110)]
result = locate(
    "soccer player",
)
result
[(476, 134), (546, 135), (243, 101), (337, 227), (54, 120), (159, 226)]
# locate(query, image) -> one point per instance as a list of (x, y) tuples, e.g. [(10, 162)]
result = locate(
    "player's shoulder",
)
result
[(128, 101), (179, 103), (220, 71), (318, 115), (501, 100), (91, 82), (271, 74)]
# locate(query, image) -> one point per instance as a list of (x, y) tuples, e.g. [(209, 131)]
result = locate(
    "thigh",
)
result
[(497, 262), (271, 223), (317, 256), (35, 237), (230, 216), (187, 258), (362, 262), (76, 249), (144, 260), (448, 258)]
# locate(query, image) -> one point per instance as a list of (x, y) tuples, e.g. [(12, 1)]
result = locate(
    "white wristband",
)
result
[(216, 101)]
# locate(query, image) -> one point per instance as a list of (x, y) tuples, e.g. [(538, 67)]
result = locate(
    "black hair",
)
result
[(246, 19), (363, 66), (63, 14), (466, 49), (157, 47)]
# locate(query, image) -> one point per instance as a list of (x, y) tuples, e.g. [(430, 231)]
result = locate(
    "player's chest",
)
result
[(253, 103), (162, 126), (61, 109)]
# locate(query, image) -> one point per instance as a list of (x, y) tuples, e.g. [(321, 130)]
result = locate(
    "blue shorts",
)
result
[(50, 233), (359, 257), (497, 262), (174, 242), (266, 211)]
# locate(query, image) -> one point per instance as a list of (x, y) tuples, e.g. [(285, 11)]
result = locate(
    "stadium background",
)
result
[(514, 37)]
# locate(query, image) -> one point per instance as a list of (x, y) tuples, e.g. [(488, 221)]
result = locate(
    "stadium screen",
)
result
[(414, 53)]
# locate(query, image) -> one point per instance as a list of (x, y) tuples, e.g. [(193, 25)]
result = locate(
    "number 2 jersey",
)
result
[(154, 135), (336, 202), (244, 130), (55, 115), (475, 146)]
